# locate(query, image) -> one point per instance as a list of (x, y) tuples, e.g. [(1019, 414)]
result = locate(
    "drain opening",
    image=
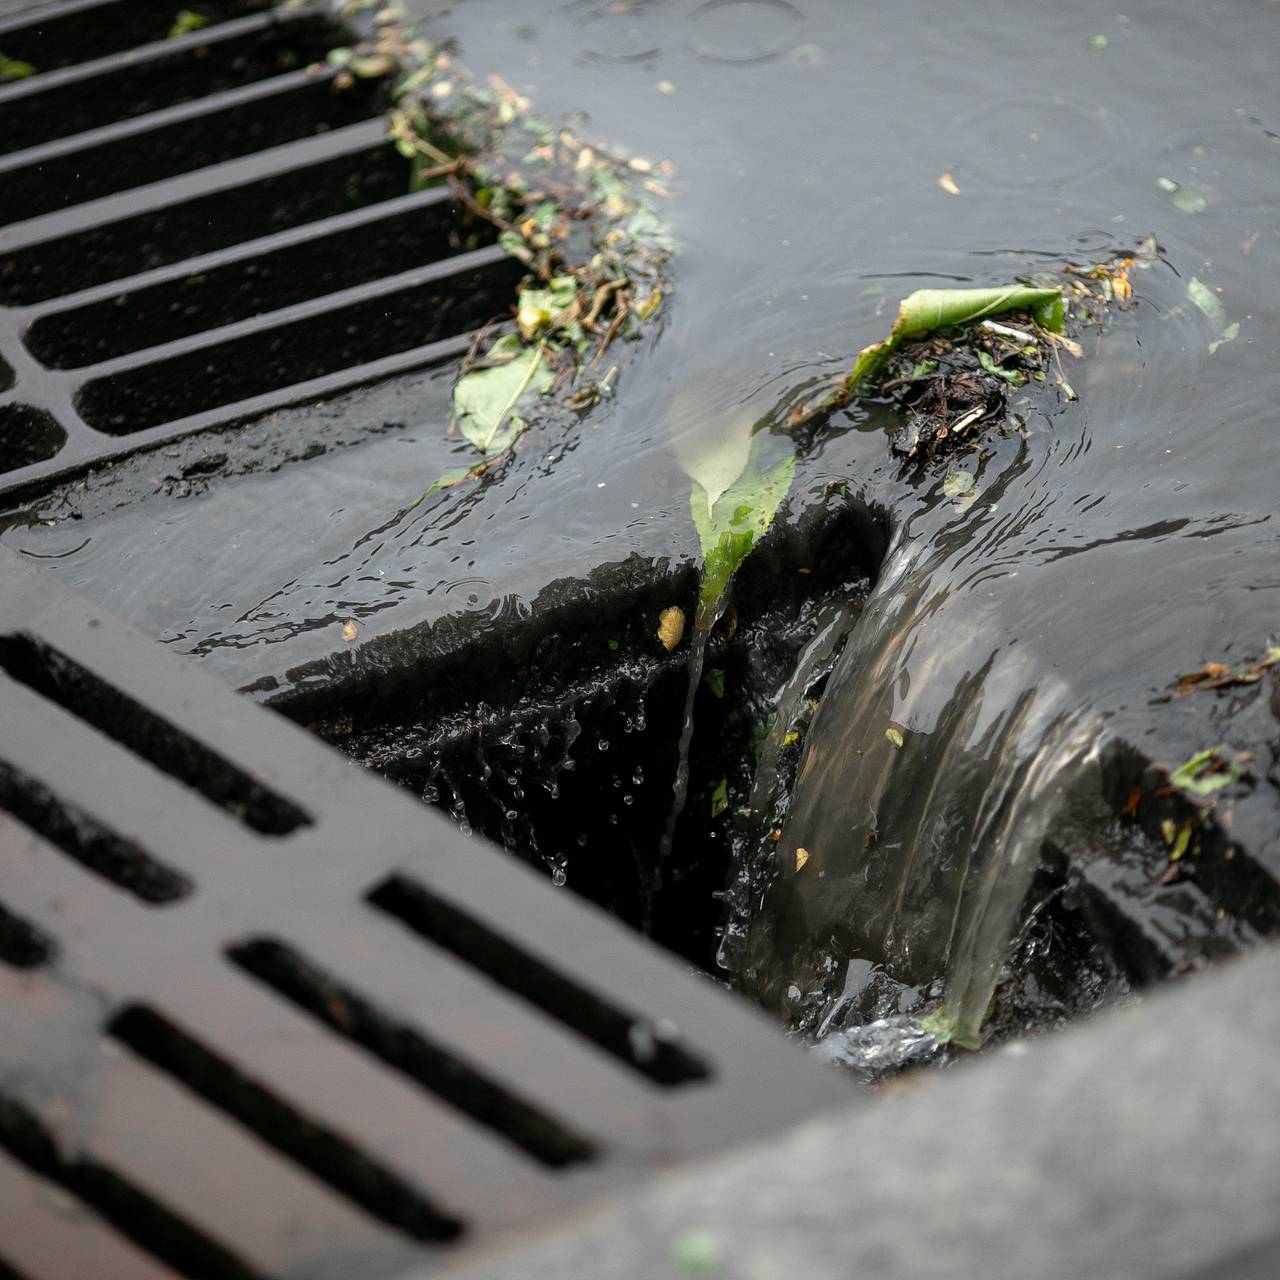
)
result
[(368, 247), (343, 335), (90, 31), (27, 435), (274, 113), (135, 727), (85, 840), (22, 945), (175, 72), (562, 746), (458, 1083), (298, 191), (317, 1150), (638, 1043), (132, 1212)]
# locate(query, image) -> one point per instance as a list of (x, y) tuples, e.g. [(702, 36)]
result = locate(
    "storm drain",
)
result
[(264, 1015), (199, 228)]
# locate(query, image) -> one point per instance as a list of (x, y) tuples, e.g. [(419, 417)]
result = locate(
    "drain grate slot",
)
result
[(382, 320), (366, 246), (347, 1012), (22, 945), (637, 1042), (79, 32), (85, 840), (176, 141), (301, 187), (27, 435), (319, 1150), (107, 91), (88, 697), (131, 1211)]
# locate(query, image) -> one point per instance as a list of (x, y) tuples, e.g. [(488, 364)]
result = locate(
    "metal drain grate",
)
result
[(199, 229), (264, 1015)]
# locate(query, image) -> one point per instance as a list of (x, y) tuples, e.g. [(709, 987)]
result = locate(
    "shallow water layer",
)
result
[(1127, 539)]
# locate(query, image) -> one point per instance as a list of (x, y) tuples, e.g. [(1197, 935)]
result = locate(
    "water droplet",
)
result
[(603, 744), (559, 876)]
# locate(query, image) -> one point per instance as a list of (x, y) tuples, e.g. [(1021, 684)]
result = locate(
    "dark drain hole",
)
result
[(287, 108), (87, 841), (254, 364), (132, 1212), (327, 262), (136, 728), (636, 1042), (319, 1151), (409, 1052), (27, 435), (21, 944), (171, 233)]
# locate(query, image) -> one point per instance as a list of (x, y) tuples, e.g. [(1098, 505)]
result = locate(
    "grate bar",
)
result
[(232, 178), (53, 36), (45, 1235), (381, 291), (86, 96), (37, 477), (524, 1053), (234, 123), (291, 259)]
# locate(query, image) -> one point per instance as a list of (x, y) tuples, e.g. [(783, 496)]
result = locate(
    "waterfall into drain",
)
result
[(929, 778)]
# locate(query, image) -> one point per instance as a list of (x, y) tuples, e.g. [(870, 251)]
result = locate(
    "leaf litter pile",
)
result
[(583, 221)]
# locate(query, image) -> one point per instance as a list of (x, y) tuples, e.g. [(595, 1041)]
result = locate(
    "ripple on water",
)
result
[(744, 31), (617, 31), (1021, 142)]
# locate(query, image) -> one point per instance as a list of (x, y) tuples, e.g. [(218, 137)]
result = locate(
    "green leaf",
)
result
[(185, 21), (1207, 301), (1014, 377), (1229, 334), (1210, 306), (714, 680), (1208, 771), (538, 308), (733, 513), (928, 309), (485, 400), (1189, 201), (14, 69), (720, 798), (697, 1253)]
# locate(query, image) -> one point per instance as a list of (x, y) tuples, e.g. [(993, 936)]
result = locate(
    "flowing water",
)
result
[(1114, 542)]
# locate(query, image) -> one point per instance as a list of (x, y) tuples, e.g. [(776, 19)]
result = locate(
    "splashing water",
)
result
[(929, 779)]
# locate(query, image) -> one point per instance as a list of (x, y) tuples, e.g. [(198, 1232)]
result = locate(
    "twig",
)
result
[(601, 298), (459, 189), (624, 310)]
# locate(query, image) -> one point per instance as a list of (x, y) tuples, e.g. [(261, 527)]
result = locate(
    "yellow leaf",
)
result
[(802, 856), (671, 627), (348, 630)]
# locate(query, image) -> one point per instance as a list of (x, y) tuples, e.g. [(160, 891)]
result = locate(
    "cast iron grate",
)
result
[(266, 1016), (198, 229)]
